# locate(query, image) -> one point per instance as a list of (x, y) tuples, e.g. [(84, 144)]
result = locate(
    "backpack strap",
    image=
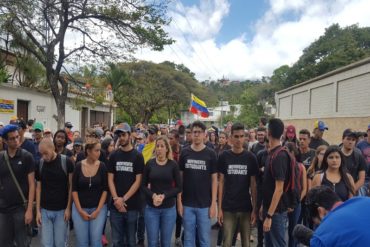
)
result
[(63, 163)]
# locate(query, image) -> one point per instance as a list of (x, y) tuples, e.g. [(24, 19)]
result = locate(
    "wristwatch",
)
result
[(268, 216)]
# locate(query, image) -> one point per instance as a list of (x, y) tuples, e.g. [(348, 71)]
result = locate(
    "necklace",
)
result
[(89, 173)]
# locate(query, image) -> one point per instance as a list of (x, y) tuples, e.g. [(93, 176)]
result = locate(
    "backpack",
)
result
[(293, 188), (64, 164)]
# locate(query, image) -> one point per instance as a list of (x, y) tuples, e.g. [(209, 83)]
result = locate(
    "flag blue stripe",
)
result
[(199, 107)]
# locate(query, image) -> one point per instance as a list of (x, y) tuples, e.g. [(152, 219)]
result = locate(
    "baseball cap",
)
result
[(99, 132), (8, 128), (38, 126), (123, 127), (290, 131), (153, 130), (47, 130), (78, 142), (320, 125), (68, 125), (349, 133), (2, 124), (21, 124)]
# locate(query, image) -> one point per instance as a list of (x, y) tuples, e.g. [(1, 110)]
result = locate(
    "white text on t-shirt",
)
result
[(196, 165), (124, 166)]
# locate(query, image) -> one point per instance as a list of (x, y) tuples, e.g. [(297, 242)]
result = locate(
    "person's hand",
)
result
[(94, 214), (220, 217), (28, 216), (180, 208), (120, 205), (212, 210), (253, 218), (267, 225), (261, 213), (290, 210), (38, 218), (85, 216), (67, 215)]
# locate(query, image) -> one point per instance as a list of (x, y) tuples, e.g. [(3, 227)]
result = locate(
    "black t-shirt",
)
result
[(125, 166), (237, 170), (162, 179), (257, 147), (306, 158), (220, 149), (197, 168), (54, 184), (90, 189), (315, 143), (339, 188), (28, 146), (22, 164), (355, 164), (279, 171), (261, 161)]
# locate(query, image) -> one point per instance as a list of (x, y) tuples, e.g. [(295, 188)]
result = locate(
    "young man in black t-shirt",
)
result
[(260, 145), (353, 159), (238, 169), (13, 213), (276, 174), (306, 154), (125, 169), (197, 203), (53, 195)]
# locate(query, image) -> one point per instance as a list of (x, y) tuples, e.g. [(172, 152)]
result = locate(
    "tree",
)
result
[(252, 109), (146, 88), (104, 29)]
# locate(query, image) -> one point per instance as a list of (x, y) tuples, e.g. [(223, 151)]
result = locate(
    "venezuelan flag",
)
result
[(197, 106)]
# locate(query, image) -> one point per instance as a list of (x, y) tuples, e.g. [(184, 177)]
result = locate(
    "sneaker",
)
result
[(178, 242), (104, 240), (140, 243)]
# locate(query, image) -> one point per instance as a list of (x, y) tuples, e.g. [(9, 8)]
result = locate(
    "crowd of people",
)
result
[(151, 180)]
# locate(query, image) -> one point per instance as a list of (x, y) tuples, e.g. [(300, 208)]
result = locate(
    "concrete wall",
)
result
[(44, 101), (336, 126)]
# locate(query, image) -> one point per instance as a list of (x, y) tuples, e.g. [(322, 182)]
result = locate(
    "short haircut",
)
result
[(181, 129), (261, 129), (292, 147), (320, 196), (224, 133), (305, 132), (276, 128), (237, 126), (175, 133), (263, 120), (198, 124)]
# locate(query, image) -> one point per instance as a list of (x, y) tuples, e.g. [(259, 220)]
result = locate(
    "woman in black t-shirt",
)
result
[(334, 174), (161, 184), (89, 192)]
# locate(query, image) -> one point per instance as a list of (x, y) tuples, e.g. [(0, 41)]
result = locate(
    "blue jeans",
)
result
[(276, 236), (196, 219), (293, 220), (53, 228), (123, 227), (89, 233), (159, 223)]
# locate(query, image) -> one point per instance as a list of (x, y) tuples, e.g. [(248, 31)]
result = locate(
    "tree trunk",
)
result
[(60, 96)]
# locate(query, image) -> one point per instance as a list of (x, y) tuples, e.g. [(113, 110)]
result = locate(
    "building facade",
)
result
[(340, 98)]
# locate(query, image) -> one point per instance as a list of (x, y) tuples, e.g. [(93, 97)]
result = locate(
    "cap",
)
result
[(290, 131), (153, 130), (2, 124), (78, 142), (320, 125), (47, 130), (123, 127), (99, 132), (8, 128), (349, 133), (68, 125), (38, 126), (179, 122)]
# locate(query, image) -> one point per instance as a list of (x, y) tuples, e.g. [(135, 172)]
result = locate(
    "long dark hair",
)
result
[(342, 168)]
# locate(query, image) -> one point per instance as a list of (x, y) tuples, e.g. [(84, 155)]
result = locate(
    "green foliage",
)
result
[(4, 76), (252, 108)]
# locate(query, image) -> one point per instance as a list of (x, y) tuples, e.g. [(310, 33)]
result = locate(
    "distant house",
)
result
[(27, 103), (341, 98)]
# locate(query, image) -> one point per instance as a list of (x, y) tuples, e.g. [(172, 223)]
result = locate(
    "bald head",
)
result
[(47, 149)]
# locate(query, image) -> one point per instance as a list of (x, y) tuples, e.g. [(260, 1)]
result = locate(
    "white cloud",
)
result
[(276, 41)]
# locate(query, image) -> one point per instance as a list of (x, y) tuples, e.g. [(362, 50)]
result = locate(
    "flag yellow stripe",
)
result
[(198, 101)]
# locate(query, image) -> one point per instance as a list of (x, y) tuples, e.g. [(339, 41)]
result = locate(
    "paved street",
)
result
[(36, 241)]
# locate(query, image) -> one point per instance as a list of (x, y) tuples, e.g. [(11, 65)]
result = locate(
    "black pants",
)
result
[(13, 229)]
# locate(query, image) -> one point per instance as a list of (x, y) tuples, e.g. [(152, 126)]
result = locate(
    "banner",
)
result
[(6, 106)]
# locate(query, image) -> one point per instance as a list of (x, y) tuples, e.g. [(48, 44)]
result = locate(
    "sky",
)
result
[(248, 39)]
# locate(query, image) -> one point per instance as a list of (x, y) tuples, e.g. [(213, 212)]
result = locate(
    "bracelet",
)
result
[(268, 216)]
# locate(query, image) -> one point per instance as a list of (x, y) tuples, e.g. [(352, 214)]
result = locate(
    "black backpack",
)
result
[(293, 187)]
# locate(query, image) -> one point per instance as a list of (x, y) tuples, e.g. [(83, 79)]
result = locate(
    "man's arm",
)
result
[(360, 181), (254, 198), (134, 187), (31, 197), (212, 211), (67, 213), (221, 183), (38, 203), (278, 192)]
